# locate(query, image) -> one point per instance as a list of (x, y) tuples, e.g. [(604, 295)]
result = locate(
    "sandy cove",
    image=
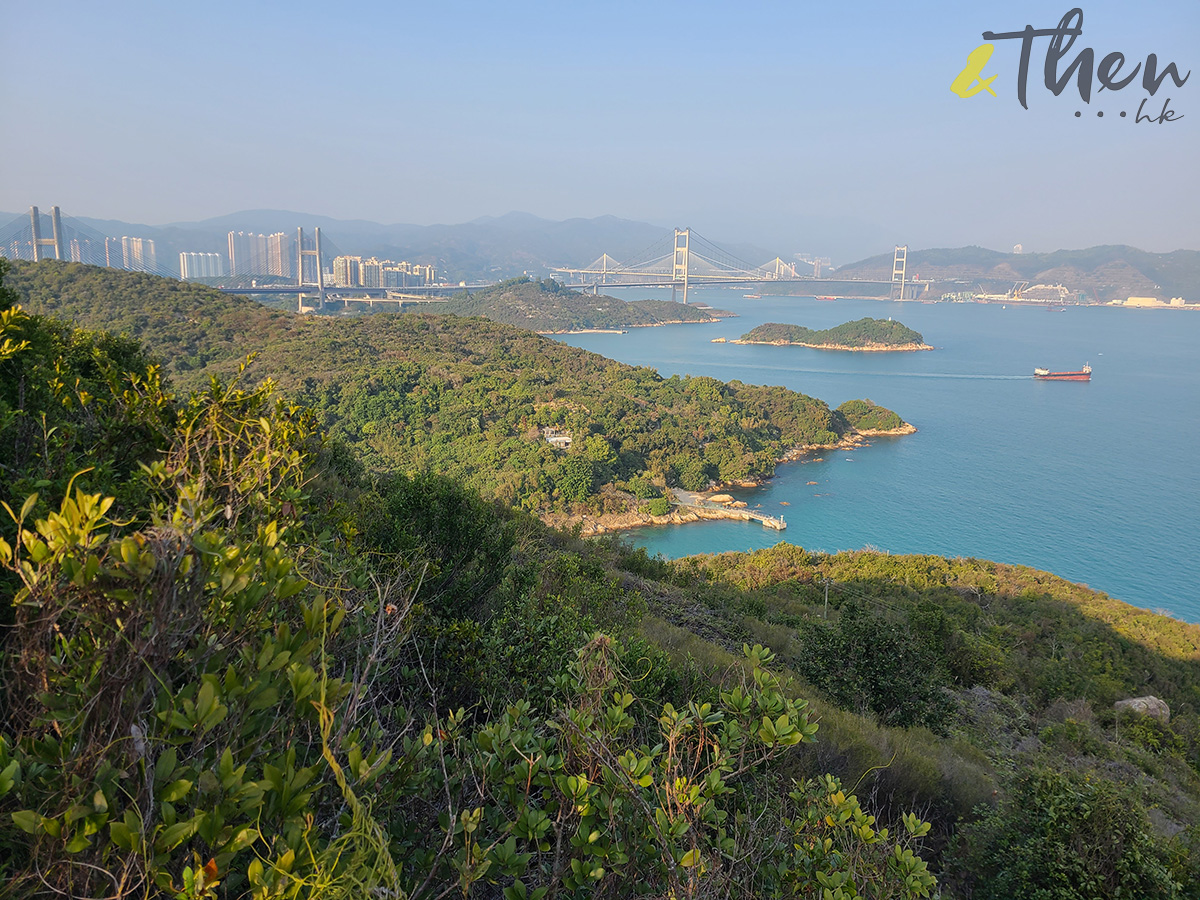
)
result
[(592, 524)]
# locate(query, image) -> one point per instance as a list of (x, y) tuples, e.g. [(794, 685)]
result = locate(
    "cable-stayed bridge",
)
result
[(301, 264), (55, 236), (301, 260)]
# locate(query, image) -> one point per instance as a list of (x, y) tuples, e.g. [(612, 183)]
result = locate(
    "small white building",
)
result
[(556, 438)]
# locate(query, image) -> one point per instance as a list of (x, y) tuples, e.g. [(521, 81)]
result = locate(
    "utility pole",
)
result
[(827, 596)]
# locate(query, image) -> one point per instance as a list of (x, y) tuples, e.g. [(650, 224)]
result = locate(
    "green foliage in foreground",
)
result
[(866, 332), (271, 671), (1006, 678), (241, 693), (1065, 837)]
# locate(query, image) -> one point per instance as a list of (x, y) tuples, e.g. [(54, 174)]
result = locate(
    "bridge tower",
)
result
[(899, 271), (319, 282), (38, 242), (679, 270), (607, 264), (782, 269)]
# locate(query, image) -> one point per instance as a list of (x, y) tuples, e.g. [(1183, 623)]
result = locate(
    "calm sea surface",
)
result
[(1095, 481)]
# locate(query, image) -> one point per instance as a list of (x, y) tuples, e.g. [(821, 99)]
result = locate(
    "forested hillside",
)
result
[(237, 663), (549, 307), (466, 398)]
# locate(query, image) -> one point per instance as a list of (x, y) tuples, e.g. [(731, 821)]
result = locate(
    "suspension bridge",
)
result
[(686, 258), (680, 260)]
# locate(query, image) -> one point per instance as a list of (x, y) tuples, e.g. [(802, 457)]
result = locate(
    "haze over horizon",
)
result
[(827, 130)]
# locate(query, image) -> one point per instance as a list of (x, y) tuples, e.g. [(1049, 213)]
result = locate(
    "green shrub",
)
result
[(1063, 836), (1148, 733), (659, 506), (865, 662)]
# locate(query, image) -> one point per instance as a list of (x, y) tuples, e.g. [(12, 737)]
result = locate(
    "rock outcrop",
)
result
[(1147, 706)]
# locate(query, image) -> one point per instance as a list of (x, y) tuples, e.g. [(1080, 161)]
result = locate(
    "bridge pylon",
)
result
[(679, 269), (38, 242), (778, 269), (319, 276), (899, 272)]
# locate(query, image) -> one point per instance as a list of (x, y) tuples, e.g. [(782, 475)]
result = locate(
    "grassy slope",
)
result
[(1024, 665)]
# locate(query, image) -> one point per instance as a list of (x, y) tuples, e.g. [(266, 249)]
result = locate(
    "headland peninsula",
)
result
[(549, 307)]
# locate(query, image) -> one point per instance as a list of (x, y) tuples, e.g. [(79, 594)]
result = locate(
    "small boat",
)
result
[(827, 299), (1084, 374), (751, 296)]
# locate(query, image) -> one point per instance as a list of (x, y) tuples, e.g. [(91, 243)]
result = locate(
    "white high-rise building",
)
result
[(281, 255), (248, 253), (138, 254), (114, 256), (85, 250), (346, 271), (201, 265), (370, 273)]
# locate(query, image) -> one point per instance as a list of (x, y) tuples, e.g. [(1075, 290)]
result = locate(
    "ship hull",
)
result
[(1065, 376)]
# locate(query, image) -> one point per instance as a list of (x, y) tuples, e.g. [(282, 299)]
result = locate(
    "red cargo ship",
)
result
[(1084, 374)]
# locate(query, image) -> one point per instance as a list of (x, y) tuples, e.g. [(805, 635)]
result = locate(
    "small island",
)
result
[(870, 335)]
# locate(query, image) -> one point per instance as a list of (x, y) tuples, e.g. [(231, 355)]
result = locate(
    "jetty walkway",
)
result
[(695, 501)]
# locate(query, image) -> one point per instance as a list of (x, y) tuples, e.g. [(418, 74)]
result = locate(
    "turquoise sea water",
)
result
[(1093, 481)]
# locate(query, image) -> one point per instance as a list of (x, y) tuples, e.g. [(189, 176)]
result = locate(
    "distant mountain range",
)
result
[(498, 247), (1111, 272)]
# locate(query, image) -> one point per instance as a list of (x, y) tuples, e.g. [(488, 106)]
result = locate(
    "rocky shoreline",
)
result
[(623, 330), (592, 524), (867, 348)]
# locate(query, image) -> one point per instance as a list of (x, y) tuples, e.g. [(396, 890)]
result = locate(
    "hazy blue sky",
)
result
[(765, 122)]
